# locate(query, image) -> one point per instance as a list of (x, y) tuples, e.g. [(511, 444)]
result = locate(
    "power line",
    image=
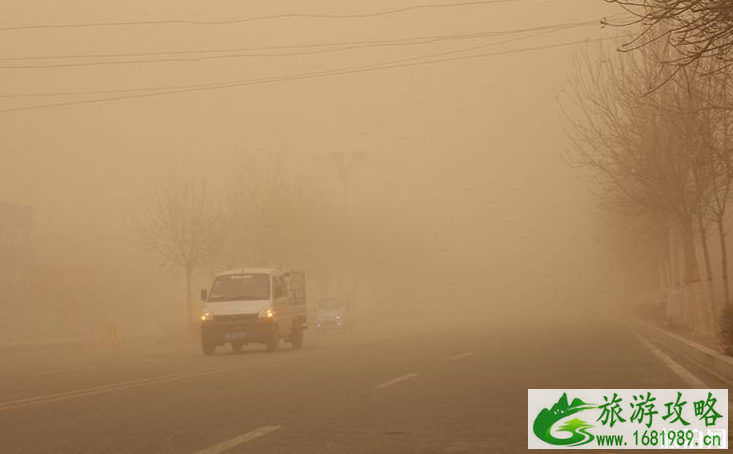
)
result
[(182, 87), (298, 46), (355, 45), (267, 17), (261, 81)]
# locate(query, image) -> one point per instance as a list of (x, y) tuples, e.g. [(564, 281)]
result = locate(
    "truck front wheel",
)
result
[(208, 348), (274, 340), (296, 336)]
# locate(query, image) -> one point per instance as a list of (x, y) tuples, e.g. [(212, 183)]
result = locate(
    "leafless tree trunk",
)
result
[(702, 231), (724, 262), (724, 183), (181, 223), (189, 300), (698, 309)]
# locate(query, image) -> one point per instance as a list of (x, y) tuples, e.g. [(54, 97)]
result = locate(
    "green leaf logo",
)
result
[(578, 429)]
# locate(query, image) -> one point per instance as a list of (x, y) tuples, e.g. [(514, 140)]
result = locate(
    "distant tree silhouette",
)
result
[(181, 223)]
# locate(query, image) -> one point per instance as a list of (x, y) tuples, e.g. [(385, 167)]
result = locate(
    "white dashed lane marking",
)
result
[(62, 371), (461, 356), (236, 441), (394, 381)]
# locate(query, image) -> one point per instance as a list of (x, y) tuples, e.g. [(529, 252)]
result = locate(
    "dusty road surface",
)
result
[(426, 388)]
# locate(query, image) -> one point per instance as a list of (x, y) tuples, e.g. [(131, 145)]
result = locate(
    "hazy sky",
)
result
[(468, 152)]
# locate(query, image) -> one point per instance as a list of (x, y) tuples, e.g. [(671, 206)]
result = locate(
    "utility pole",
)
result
[(344, 163)]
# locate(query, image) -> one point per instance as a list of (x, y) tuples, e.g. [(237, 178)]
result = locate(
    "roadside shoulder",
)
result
[(715, 363)]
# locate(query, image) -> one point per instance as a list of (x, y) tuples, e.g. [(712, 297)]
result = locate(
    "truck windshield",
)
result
[(234, 287)]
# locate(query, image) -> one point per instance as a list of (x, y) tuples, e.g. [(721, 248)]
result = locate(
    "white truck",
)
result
[(254, 305)]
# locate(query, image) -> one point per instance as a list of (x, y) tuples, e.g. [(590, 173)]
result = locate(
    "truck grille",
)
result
[(234, 317)]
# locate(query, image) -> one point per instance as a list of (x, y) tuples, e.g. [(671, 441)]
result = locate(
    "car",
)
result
[(254, 305), (334, 313)]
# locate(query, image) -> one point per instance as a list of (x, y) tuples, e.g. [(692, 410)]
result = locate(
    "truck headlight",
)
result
[(266, 313), (207, 316)]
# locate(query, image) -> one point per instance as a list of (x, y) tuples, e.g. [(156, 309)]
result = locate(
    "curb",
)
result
[(714, 362)]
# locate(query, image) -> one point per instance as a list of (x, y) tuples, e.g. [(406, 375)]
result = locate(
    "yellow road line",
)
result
[(75, 394)]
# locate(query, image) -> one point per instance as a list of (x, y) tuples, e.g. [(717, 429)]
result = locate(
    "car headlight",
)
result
[(266, 313), (207, 316)]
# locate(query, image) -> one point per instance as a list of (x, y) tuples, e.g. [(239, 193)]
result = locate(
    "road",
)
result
[(447, 385)]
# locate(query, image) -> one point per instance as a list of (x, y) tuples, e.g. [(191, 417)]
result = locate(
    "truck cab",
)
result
[(254, 305)]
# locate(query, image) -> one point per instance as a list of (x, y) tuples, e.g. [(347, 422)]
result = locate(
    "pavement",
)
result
[(443, 384)]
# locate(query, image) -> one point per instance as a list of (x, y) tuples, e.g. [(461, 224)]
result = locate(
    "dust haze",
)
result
[(412, 160), (461, 191)]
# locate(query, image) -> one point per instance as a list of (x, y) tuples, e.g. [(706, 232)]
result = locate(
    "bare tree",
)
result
[(244, 207), (707, 131), (694, 126), (636, 148), (181, 222), (720, 167), (261, 209), (696, 28)]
